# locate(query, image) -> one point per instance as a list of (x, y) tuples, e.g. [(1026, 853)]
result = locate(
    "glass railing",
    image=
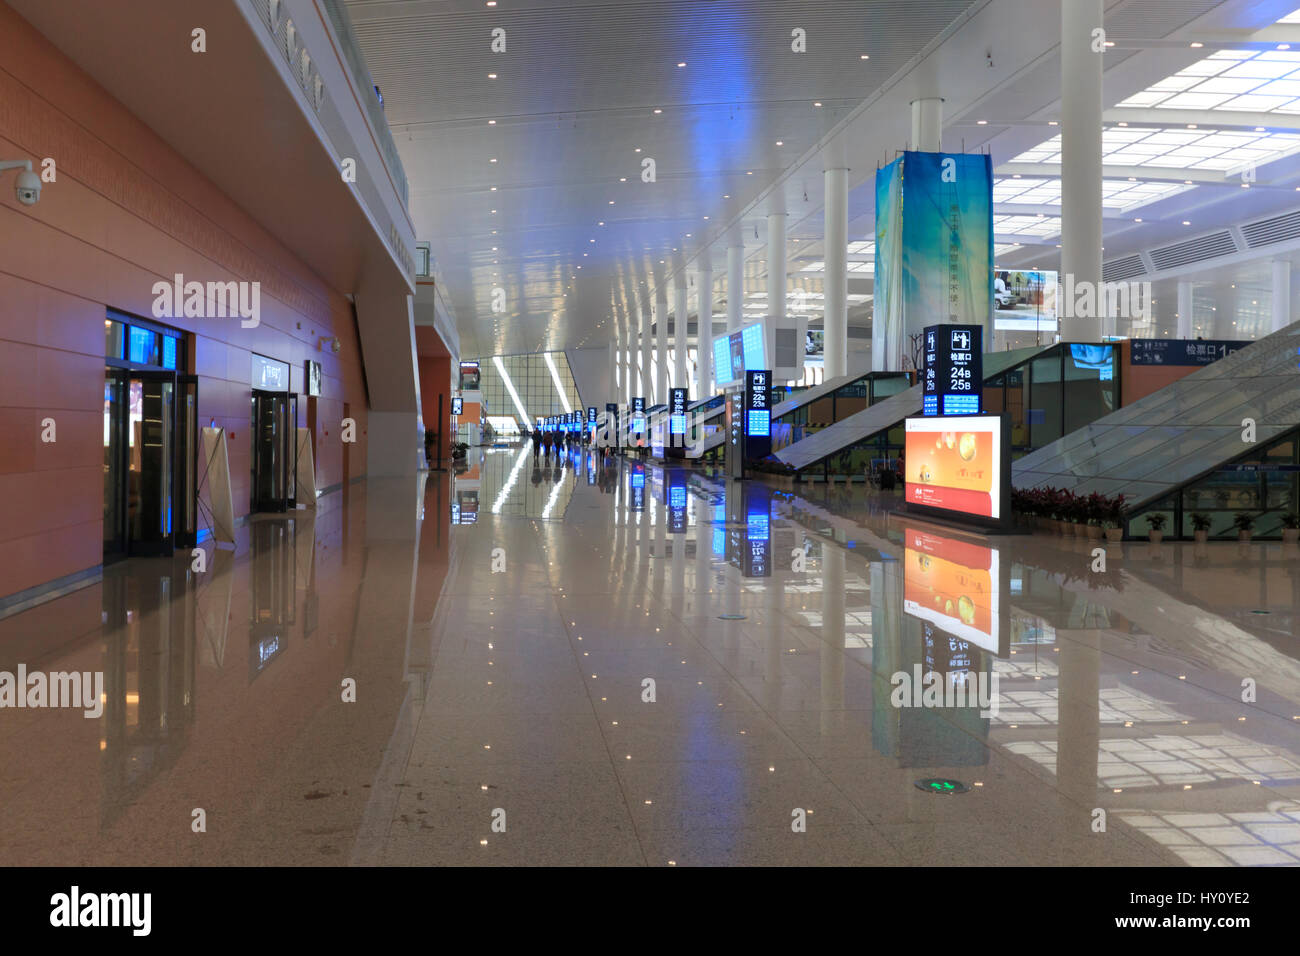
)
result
[(824, 411), (337, 13)]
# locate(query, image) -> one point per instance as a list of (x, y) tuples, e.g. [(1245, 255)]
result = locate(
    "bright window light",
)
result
[(1255, 81), (555, 377), (1119, 194), (510, 387), (1178, 148)]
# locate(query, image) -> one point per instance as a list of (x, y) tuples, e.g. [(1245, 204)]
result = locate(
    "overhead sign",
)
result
[(953, 370), (758, 414), (959, 467), (457, 405), (1180, 351), (638, 415), (469, 376), (268, 375)]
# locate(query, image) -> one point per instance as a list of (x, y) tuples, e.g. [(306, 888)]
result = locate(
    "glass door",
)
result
[(291, 456), (270, 451), (151, 473), (115, 463)]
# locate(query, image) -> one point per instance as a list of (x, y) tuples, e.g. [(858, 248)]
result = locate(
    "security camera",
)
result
[(28, 186), (336, 346)]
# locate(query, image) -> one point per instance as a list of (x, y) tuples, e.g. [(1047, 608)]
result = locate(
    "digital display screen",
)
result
[(952, 584), (955, 464), (738, 352), (638, 423), (168, 352), (140, 345), (677, 424), (457, 405), (758, 527), (953, 370), (759, 422)]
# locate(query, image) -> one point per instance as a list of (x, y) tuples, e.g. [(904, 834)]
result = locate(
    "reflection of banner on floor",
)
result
[(306, 470), (220, 498)]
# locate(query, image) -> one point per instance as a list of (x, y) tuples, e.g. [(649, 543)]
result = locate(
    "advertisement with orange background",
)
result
[(953, 464)]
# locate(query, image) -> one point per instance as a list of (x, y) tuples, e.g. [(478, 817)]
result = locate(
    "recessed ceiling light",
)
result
[(1139, 219), (658, 112), (611, 202), (1053, 123), (1284, 46), (1191, 126), (981, 122), (492, 122), (780, 143), (1187, 222), (749, 172), (494, 212), (865, 56), (492, 160), (492, 76), (726, 196), (817, 104), (600, 224), (680, 65), (1196, 44), (1187, 182), (1123, 123)]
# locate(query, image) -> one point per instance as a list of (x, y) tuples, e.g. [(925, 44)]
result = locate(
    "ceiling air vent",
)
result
[(1209, 246), (1265, 232), (1117, 270)]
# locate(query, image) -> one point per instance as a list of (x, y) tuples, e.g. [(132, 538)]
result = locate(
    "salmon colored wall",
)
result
[(125, 212), (435, 380), (1139, 381)]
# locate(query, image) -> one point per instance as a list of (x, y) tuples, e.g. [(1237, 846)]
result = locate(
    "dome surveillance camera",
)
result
[(336, 346), (28, 188)]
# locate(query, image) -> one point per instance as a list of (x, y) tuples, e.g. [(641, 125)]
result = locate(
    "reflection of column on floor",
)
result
[(703, 563), (679, 578), (774, 605), (660, 546), (832, 649), (886, 653), (1079, 719), (387, 598)]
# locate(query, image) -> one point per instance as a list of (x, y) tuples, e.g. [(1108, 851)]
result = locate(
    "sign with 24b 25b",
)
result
[(952, 370)]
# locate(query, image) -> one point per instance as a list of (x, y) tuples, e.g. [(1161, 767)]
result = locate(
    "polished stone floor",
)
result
[(579, 664)]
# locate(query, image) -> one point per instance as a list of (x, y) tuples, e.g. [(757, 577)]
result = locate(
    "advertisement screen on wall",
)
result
[(959, 468), (952, 584), (469, 376), (1024, 300)]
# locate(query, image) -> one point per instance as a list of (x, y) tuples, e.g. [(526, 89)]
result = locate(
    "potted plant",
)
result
[(1096, 511), (1290, 527), (1200, 527), (1155, 525), (1243, 521), (1113, 518)]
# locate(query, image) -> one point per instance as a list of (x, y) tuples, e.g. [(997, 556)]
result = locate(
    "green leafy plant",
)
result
[(1243, 521), (1291, 520), (1156, 520), (1200, 522)]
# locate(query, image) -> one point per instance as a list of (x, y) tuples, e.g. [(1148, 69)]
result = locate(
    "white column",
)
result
[(681, 322), (735, 286), (1185, 328), (613, 376), (1281, 294), (661, 343), (776, 280), (927, 123), (1080, 157), (645, 350), (704, 331), (835, 319)]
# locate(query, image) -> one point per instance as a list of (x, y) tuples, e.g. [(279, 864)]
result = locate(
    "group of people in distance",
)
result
[(556, 441)]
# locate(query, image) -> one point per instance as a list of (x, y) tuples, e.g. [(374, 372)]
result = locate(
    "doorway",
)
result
[(274, 453), (150, 456)]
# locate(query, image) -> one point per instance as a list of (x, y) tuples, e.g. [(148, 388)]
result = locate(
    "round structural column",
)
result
[(776, 281), (735, 286), (704, 331), (927, 124), (681, 322), (1081, 70), (835, 321)]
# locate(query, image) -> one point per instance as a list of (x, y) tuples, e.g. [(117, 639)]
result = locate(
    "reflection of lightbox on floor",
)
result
[(958, 468)]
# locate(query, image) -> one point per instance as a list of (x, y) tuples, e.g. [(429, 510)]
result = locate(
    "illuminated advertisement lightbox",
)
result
[(952, 584), (959, 468)]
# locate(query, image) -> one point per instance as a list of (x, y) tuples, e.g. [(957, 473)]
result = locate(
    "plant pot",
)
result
[(1094, 532), (1114, 535), (1243, 536), (1080, 530), (1155, 537), (1290, 535), (1201, 536)]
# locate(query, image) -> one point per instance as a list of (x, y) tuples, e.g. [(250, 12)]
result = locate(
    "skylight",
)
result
[(1120, 194), (1178, 148), (1256, 81)]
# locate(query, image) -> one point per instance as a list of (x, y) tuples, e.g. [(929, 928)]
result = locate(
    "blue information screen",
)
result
[(961, 404), (757, 527), (677, 424), (751, 338), (722, 361), (677, 496), (140, 345), (168, 352), (760, 423)]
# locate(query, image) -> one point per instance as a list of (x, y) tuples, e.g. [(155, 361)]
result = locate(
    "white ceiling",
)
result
[(571, 115)]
